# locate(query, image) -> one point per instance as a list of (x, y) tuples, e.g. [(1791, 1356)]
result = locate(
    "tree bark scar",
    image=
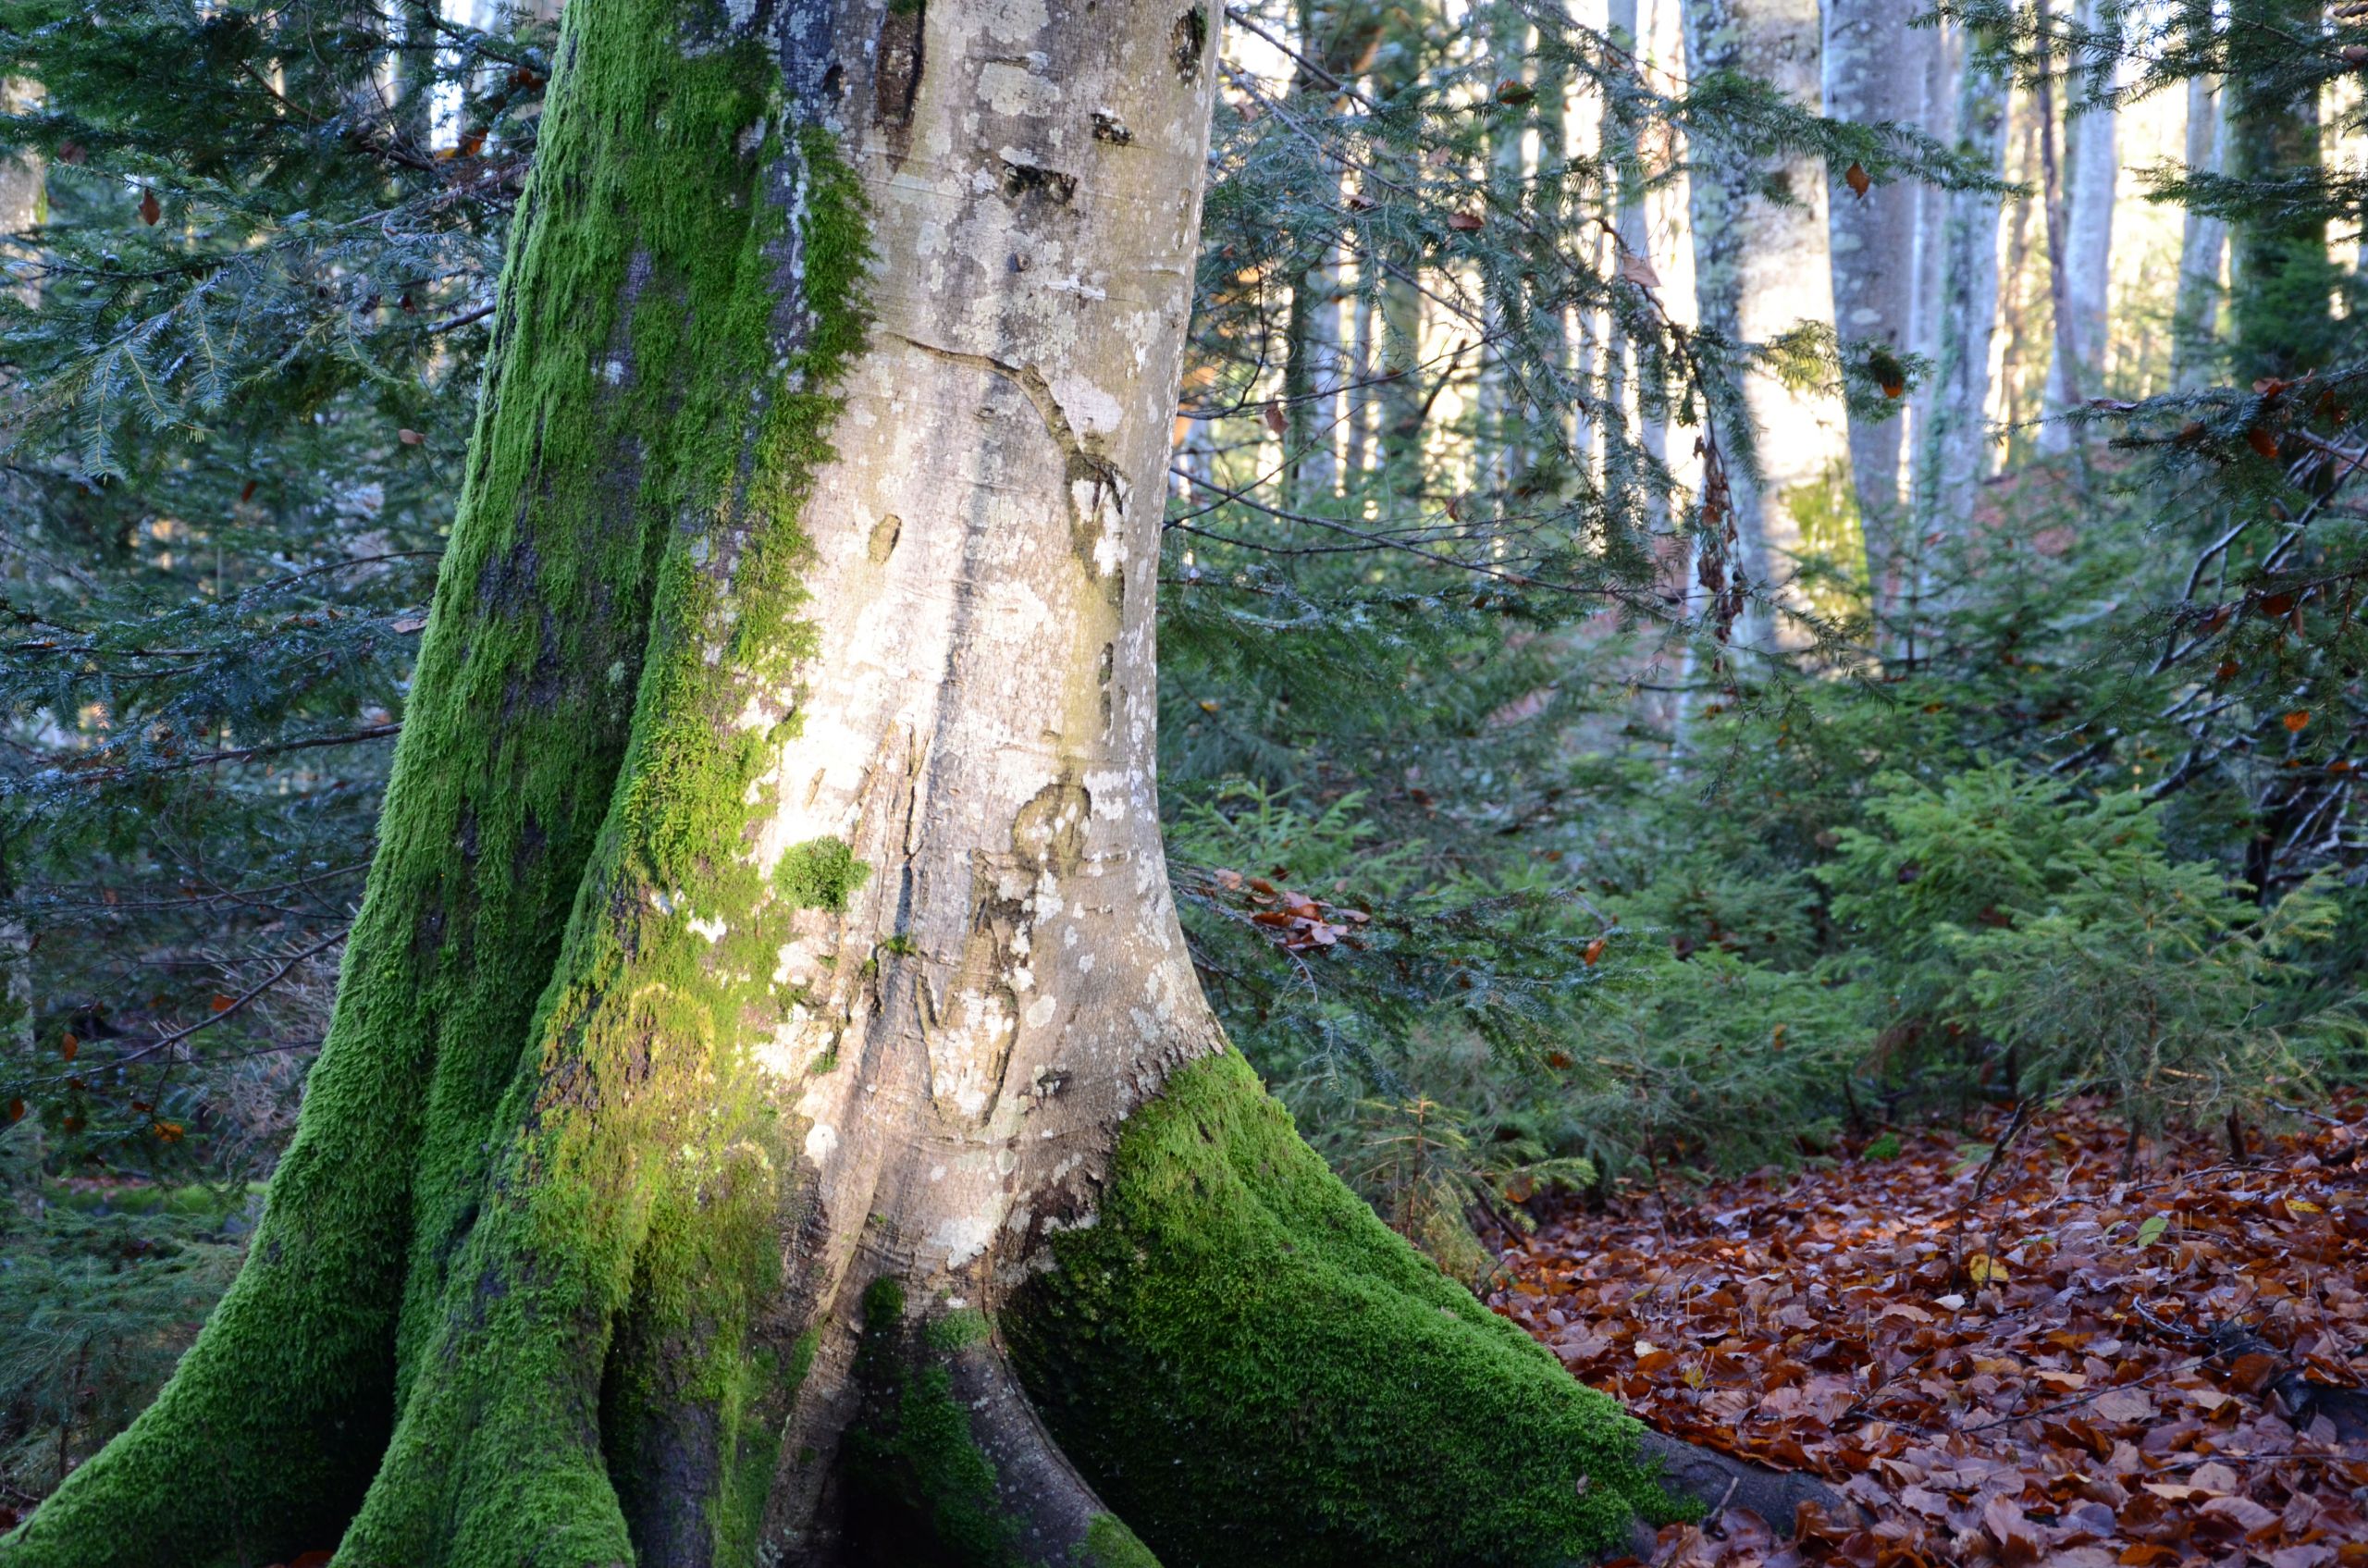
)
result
[(1098, 493), (896, 81), (1187, 42)]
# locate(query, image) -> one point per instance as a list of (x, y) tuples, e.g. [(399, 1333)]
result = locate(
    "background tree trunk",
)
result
[(1759, 268), (2203, 248), (1954, 449), (2092, 166), (1874, 67)]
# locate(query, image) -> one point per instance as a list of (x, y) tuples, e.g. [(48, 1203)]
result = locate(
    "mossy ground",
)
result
[(1252, 1368)]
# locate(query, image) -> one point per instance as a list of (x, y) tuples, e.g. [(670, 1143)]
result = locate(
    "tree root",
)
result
[(949, 1462), (1720, 1481)]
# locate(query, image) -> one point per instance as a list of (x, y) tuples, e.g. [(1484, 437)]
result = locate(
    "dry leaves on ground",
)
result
[(2076, 1369)]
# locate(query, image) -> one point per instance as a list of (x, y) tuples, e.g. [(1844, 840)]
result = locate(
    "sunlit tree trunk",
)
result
[(771, 1115), (1759, 268), (2091, 164), (1874, 66), (1954, 448), (2203, 247)]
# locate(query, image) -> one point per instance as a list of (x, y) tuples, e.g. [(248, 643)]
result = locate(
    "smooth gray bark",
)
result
[(2077, 359), (2203, 249), (1759, 268), (1954, 448), (1875, 65)]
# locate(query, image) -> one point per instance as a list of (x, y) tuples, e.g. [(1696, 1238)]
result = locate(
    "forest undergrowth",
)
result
[(2002, 1349)]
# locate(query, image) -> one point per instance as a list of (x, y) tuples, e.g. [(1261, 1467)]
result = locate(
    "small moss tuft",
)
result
[(822, 873), (957, 1329), (1109, 1544)]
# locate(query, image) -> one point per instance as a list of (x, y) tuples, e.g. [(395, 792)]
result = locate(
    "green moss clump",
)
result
[(822, 873), (957, 1329), (1250, 1367), (1109, 1544)]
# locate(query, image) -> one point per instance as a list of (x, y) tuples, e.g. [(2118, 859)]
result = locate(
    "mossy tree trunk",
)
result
[(770, 1116)]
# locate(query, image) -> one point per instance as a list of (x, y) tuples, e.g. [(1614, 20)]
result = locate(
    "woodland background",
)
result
[(1744, 584)]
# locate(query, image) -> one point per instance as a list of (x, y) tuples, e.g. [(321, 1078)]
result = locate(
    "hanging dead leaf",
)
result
[(1856, 177), (1465, 223), (2262, 441), (1273, 416), (1594, 952), (1635, 268), (221, 1003), (2296, 720), (15, 1110), (69, 1047), (150, 208), (1513, 93)]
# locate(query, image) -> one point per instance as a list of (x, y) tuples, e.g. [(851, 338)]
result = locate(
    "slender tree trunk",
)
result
[(1874, 67), (2203, 247), (1954, 448), (771, 1114), (2076, 366), (1759, 268)]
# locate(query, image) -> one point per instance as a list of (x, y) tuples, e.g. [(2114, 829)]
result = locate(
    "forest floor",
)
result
[(2012, 1357)]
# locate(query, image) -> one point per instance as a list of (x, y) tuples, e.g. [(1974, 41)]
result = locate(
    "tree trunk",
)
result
[(2203, 247), (1954, 446), (1759, 268), (1874, 70), (771, 1115), (2076, 364)]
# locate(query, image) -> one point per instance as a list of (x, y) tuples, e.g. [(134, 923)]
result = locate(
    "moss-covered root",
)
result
[(1250, 1367), (947, 1463)]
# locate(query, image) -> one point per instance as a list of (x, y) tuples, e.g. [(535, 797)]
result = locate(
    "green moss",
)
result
[(820, 874), (1109, 1544), (920, 1490), (956, 1329), (1250, 1367)]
